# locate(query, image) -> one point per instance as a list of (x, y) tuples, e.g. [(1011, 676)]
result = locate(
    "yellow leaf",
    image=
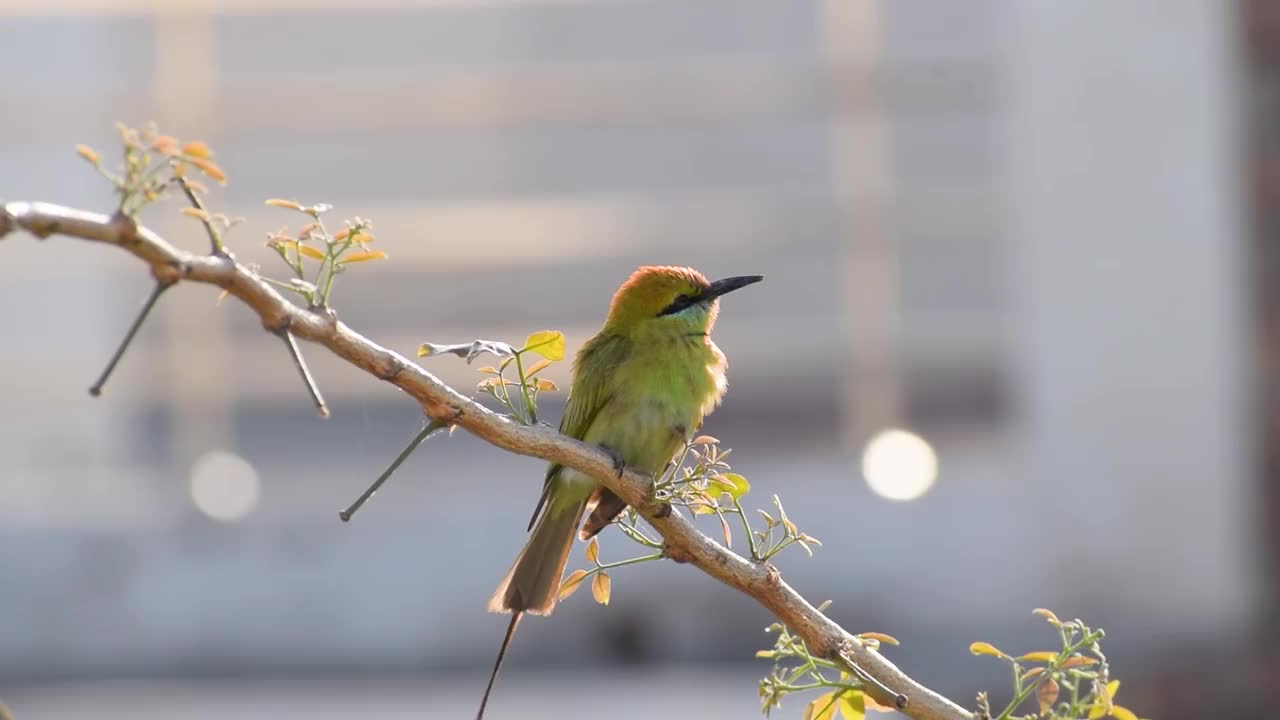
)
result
[(208, 167), (765, 654), (1077, 661), (196, 213), (197, 149), (1047, 695), (853, 705), (362, 256), (363, 238), (537, 367), (982, 648), (547, 343), (1031, 673), (311, 252), (489, 369), (89, 154), (704, 440), (286, 204), (823, 707), (1122, 713), (1040, 656), (1103, 708), (571, 583), (600, 588), (880, 638), (545, 384), (593, 551), (1047, 615), (731, 483)]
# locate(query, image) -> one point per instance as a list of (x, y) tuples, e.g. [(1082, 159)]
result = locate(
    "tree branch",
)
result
[(682, 541)]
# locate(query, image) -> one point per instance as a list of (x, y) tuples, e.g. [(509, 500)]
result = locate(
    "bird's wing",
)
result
[(588, 395)]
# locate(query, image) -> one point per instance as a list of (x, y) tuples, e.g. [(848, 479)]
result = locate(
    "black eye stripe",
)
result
[(681, 302)]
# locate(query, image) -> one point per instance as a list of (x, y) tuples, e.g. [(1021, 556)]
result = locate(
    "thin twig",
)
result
[(215, 236), (161, 285), (681, 539), (303, 370), (431, 426)]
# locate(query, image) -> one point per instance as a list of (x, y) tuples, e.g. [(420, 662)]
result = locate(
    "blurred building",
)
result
[(1019, 230)]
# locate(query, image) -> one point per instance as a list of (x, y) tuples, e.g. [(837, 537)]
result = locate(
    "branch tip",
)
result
[(95, 390)]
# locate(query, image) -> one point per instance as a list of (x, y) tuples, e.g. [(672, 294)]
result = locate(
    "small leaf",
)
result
[(165, 145), (766, 654), (311, 252), (286, 204), (547, 343), (363, 238), (1047, 615), (545, 384), (731, 483), (469, 350), (982, 648), (1077, 661), (195, 213), (1047, 695), (1031, 673), (89, 154), (362, 256), (768, 519), (880, 637), (1041, 656), (823, 707), (600, 587), (593, 551), (208, 167), (1122, 713), (704, 440), (571, 583), (223, 296), (853, 705), (1104, 708), (537, 367), (197, 149), (488, 369), (724, 528)]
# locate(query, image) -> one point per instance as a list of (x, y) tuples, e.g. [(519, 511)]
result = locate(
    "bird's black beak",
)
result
[(728, 285)]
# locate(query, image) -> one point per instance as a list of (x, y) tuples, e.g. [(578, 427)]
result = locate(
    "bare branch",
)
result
[(681, 540)]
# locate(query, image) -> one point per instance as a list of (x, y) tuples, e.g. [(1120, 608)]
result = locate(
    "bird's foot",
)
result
[(619, 465)]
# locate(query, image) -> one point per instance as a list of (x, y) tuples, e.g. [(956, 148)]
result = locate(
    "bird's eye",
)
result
[(681, 302)]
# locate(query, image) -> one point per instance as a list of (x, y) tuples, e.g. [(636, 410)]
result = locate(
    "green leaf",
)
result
[(547, 343), (731, 483), (852, 705)]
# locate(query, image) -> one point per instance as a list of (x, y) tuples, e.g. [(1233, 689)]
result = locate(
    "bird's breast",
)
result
[(658, 398)]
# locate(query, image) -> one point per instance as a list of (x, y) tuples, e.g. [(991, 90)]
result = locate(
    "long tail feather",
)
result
[(497, 665)]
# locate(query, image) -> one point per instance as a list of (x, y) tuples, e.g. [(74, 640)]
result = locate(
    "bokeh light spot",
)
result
[(899, 465), (224, 486)]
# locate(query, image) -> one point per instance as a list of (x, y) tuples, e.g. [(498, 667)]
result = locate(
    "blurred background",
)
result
[(1037, 237)]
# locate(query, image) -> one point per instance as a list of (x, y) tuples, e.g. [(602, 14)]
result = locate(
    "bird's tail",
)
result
[(533, 583)]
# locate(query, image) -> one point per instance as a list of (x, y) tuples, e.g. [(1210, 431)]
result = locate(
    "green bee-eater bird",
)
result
[(641, 386)]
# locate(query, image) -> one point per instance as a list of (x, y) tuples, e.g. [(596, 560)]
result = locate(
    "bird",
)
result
[(641, 387)]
